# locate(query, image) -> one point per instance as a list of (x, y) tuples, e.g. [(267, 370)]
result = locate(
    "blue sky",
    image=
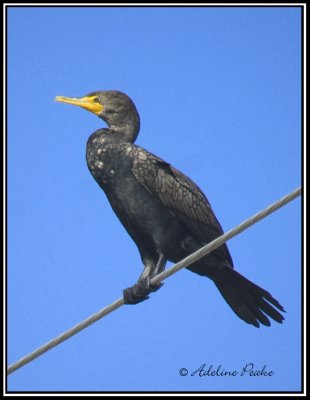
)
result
[(218, 92)]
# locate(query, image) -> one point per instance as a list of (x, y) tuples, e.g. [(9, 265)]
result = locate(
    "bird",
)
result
[(165, 213)]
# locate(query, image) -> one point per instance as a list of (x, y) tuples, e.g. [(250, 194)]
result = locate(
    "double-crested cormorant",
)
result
[(164, 212)]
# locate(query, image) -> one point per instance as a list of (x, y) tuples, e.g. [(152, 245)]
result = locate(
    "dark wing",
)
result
[(179, 194)]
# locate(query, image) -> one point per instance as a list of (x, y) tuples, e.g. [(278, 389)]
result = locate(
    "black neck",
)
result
[(128, 128)]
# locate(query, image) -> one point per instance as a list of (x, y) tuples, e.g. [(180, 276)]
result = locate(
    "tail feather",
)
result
[(256, 313), (250, 302)]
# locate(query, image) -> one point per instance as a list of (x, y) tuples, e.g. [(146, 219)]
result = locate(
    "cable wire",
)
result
[(162, 276)]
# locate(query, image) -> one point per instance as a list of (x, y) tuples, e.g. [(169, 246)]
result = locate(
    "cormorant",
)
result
[(164, 211)]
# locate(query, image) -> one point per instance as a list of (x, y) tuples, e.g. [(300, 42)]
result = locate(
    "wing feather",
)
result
[(177, 192), (183, 198)]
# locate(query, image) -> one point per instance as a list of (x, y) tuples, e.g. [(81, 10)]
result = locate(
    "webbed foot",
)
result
[(140, 291)]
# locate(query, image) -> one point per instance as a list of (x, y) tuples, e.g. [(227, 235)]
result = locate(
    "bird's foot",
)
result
[(140, 291)]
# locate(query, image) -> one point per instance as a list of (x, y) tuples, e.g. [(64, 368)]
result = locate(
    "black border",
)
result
[(303, 57)]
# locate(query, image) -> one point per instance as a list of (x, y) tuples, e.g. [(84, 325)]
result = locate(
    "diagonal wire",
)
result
[(164, 275)]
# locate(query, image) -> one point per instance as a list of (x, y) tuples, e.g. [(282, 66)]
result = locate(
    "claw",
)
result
[(130, 296), (140, 291), (155, 287)]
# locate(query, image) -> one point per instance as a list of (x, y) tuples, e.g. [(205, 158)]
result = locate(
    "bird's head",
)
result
[(113, 107)]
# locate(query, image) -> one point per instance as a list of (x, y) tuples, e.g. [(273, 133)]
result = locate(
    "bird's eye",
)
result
[(96, 100)]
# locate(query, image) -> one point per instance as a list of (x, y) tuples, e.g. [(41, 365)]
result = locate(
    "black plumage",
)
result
[(164, 211)]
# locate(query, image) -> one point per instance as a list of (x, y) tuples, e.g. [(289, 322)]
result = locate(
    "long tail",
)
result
[(249, 301)]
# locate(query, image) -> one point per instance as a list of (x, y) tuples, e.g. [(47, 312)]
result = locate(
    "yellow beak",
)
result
[(87, 102)]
